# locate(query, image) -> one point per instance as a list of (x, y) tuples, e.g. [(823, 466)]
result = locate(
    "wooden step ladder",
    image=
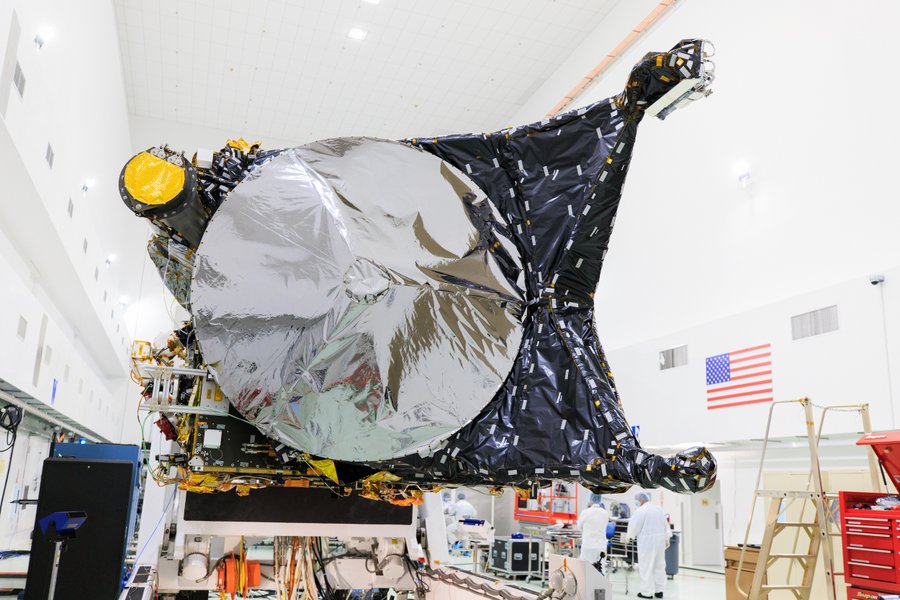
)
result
[(833, 525), (805, 560), (815, 529)]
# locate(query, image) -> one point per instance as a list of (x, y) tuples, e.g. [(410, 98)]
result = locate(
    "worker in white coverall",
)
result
[(462, 509), (649, 525), (593, 521), (447, 505)]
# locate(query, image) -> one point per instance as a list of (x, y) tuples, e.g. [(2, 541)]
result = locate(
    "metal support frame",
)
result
[(54, 569)]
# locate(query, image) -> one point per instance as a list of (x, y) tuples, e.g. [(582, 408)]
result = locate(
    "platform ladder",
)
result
[(816, 529), (831, 503)]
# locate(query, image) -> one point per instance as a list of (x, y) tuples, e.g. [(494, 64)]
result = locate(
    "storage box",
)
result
[(513, 557), (732, 560)]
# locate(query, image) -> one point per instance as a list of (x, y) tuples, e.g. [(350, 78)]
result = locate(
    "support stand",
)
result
[(59, 528)]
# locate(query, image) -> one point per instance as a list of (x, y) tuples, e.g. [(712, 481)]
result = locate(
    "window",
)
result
[(673, 357), (23, 328), (48, 354), (815, 322), (66, 374), (96, 273), (48, 155), (84, 246), (71, 208)]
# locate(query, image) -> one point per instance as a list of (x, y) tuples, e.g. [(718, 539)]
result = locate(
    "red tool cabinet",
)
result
[(871, 538)]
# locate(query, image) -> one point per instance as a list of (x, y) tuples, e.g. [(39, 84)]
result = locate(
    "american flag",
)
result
[(739, 378)]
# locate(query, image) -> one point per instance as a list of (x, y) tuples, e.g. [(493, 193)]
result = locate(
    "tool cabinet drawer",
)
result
[(873, 572), (872, 556), (879, 541)]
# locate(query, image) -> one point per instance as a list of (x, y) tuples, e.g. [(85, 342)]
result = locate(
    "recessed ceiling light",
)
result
[(88, 184), (357, 34), (110, 259), (44, 35), (741, 170)]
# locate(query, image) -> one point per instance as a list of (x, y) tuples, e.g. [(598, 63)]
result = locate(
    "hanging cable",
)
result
[(10, 419)]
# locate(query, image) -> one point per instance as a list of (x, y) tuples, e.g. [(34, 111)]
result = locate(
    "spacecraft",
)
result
[(394, 317)]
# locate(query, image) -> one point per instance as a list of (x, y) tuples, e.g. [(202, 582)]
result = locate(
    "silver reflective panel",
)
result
[(348, 305)]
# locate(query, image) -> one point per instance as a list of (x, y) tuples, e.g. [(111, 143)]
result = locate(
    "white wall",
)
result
[(847, 366), (792, 78), (17, 521), (74, 100)]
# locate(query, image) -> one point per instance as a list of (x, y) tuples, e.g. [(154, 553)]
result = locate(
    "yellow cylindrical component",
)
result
[(152, 180)]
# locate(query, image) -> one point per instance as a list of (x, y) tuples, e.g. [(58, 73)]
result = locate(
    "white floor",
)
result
[(687, 585)]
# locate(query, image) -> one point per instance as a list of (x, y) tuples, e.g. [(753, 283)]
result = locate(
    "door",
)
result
[(705, 535)]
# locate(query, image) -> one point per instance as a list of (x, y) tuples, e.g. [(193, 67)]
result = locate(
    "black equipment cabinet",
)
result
[(513, 557), (92, 565)]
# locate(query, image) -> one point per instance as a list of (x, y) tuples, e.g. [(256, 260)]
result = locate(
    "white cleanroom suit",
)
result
[(593, 521), (462, 509), (648, 524)]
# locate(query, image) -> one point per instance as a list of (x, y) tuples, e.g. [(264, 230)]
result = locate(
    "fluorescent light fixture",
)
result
[(357, 34), (88, 184)]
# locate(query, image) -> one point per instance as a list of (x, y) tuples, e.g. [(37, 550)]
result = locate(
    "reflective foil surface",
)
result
[(357, 299)]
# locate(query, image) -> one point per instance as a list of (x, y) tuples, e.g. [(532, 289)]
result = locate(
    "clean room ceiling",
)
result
[(288, 69)]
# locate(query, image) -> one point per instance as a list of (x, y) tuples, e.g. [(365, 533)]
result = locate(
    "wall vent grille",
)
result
[(19, 80), (23, 328), (814, 322), (673, 357)]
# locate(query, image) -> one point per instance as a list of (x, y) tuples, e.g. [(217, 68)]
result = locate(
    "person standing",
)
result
[(447, 505), (462, 509), (593, 521), (649, 525)]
